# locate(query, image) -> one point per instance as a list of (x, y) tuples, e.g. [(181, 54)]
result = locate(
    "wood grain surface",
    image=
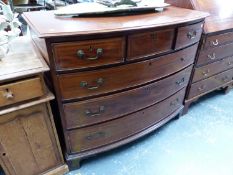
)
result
[(52, 26)]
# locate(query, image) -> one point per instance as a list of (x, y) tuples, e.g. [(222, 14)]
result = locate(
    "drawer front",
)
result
[(212, 69), (214, 54), (114, 130), (218, 40), (90, 53), (188, 35), (209, 84), (94, 111), (20, 91), (86, 84), (149, 43)]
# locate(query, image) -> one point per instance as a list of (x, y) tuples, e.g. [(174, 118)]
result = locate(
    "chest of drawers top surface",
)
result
[(52, 26)]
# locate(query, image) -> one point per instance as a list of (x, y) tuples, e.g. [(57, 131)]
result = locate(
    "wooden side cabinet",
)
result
[(28, 140)]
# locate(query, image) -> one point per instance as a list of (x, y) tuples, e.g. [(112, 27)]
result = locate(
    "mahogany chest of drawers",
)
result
[(117, 79), (214, 63)]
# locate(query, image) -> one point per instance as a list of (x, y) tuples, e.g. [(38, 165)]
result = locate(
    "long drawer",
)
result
[(112, 131), (212, 69), (87, 84), (21, 90), (90, 53), (209, 84), (215, 54), (218, 40), (97, 110)]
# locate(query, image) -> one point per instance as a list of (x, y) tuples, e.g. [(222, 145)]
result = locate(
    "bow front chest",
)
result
[(116, 78)]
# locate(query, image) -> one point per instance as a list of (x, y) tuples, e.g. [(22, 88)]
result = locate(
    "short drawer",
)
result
[(188, 35), (98, 110), (149, 43), (212, 69), (214, 54), (209, 84), (86, 84), (20, 91), (106, 133), (90, 53), (218, 40)]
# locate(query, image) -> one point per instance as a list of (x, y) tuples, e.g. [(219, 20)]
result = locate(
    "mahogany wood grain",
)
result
[(188, 35), (214, 54), (11, 93), (105, 83), (52, 26), (132, 75), (98, 110), (153, 42), (218, 40), (212, 69), (202, 87), (73, 160), (67, 57), (112, 131), (216, 44)]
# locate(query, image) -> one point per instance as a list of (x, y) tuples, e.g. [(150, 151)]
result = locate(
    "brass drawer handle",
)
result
[(95, 135), (192, 34), (215, 43), (202, 88), (212, 57), (99, 53), (205, 73), (8, 94), (90, 113), (175, 102), (99, 82), (180, 82)]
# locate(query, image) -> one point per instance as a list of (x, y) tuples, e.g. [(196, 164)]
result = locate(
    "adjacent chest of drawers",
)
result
[(214, 62), (214, 67), (117, 79), (28, 138)]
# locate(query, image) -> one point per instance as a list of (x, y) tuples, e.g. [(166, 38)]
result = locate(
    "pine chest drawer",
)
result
[(21, 90)]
